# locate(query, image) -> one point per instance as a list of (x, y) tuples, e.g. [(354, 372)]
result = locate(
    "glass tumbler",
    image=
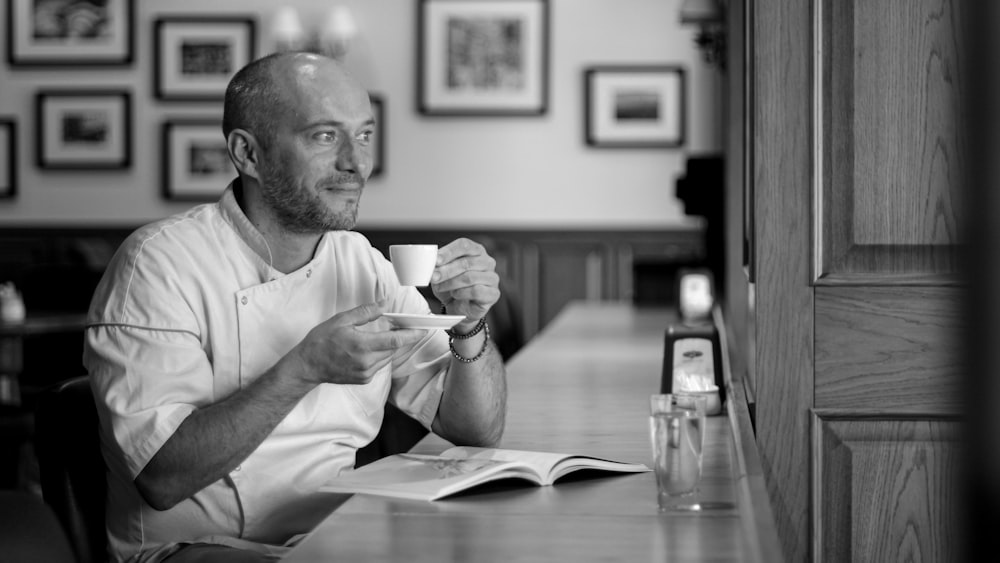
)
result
[(676, 430)]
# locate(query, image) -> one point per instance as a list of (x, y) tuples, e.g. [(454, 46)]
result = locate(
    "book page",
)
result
[(542, 462), (576, 463), (550, 466), (424, 477)]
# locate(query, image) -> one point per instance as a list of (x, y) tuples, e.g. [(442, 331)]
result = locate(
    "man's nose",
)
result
[(348, 157)]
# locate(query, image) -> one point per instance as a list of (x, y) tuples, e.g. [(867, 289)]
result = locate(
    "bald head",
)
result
[(267, 88), (299, 129)]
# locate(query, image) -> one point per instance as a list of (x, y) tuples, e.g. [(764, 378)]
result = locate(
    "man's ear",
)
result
[(244, 151)]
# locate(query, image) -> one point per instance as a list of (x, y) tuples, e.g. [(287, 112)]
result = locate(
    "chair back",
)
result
[(30, 531), (71, 468), (399, 433)]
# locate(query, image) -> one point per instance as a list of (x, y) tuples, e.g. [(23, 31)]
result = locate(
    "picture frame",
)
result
[(8, 158), (378, 153), (83, 129), (70, 33), (195, 57), (482, 57), (195, 160), (635, 106)]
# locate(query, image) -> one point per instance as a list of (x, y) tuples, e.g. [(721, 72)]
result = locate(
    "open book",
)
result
[(426, 477)]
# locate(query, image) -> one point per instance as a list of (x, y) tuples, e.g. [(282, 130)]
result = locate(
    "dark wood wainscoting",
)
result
[(56, 268), (542, 270)]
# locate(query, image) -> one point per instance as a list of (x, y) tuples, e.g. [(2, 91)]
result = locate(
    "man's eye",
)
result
[(366, 136), (326, 136)]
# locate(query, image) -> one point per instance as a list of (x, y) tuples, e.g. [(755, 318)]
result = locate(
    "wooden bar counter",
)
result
[(581, 386)]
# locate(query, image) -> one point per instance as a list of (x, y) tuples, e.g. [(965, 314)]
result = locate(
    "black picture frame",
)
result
[(37, 41), (378, 154), (195, 163), (8, 158), (510, 79), (83, 129), (635, 106), (200, 70)]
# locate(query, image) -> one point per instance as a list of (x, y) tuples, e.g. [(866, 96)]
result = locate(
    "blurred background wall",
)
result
[(501, 172)]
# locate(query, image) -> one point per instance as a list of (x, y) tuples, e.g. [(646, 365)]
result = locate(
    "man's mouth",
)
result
[(343, 185)]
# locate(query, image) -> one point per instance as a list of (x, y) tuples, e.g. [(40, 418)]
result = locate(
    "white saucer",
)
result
[(427, 322)]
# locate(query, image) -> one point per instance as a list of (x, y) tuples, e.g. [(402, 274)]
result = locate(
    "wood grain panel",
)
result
[(885, 489), (758, 518), (783, 297), (904, 137), (887, 146), (888, 348)]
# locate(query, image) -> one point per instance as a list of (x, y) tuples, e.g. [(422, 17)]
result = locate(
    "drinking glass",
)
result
[(676, 429)]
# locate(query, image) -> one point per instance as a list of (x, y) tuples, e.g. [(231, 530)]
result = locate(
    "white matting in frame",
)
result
[(483, 57), (196, 164), (84, 129), (635, 106), (195, 57)]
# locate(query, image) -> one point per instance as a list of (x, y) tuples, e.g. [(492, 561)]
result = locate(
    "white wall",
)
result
[(531, 172)]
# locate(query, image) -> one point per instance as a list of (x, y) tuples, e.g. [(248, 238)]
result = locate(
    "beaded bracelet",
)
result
[(453, 336), (482, 326)]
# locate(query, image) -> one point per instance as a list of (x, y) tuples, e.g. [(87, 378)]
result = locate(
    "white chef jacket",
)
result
[(190, 311)]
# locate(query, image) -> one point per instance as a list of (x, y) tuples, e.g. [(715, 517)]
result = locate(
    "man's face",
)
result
[(315, 167)]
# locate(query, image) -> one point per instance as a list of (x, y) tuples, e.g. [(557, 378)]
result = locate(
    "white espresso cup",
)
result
[(414, 263)]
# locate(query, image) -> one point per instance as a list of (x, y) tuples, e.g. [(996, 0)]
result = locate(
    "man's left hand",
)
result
[(465, 281)]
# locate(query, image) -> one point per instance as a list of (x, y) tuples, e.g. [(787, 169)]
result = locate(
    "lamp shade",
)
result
[(701, 12), (286, 28), (340, 24), (335, 36)]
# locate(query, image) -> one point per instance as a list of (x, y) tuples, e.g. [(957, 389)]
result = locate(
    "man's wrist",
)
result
[(471, 345), (464, 327), (293, 373)]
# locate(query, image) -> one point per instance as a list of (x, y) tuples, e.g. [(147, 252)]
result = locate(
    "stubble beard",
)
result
[(299, 209)]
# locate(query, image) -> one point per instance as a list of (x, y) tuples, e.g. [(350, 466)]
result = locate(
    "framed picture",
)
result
[(196, 56), (8, 158), (635, 106), (84, 129), (378, 109), (482, 57), (70, 33), (196, 164)]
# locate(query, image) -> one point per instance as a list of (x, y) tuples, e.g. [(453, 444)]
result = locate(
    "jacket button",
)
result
[(309, 272), (244, 300)]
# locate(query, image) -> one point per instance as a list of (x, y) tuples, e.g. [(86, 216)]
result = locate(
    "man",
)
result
[(236, 350)]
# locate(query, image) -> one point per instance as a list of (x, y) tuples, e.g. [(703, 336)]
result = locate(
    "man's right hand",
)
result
[(352, 346), (348, 348)]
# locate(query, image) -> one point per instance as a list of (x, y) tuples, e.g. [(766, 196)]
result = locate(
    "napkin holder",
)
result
[(692, 362)]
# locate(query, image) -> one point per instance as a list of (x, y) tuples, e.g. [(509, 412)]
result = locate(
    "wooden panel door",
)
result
[(885, 489), (857, 168), (892, 349), (887, 149)]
